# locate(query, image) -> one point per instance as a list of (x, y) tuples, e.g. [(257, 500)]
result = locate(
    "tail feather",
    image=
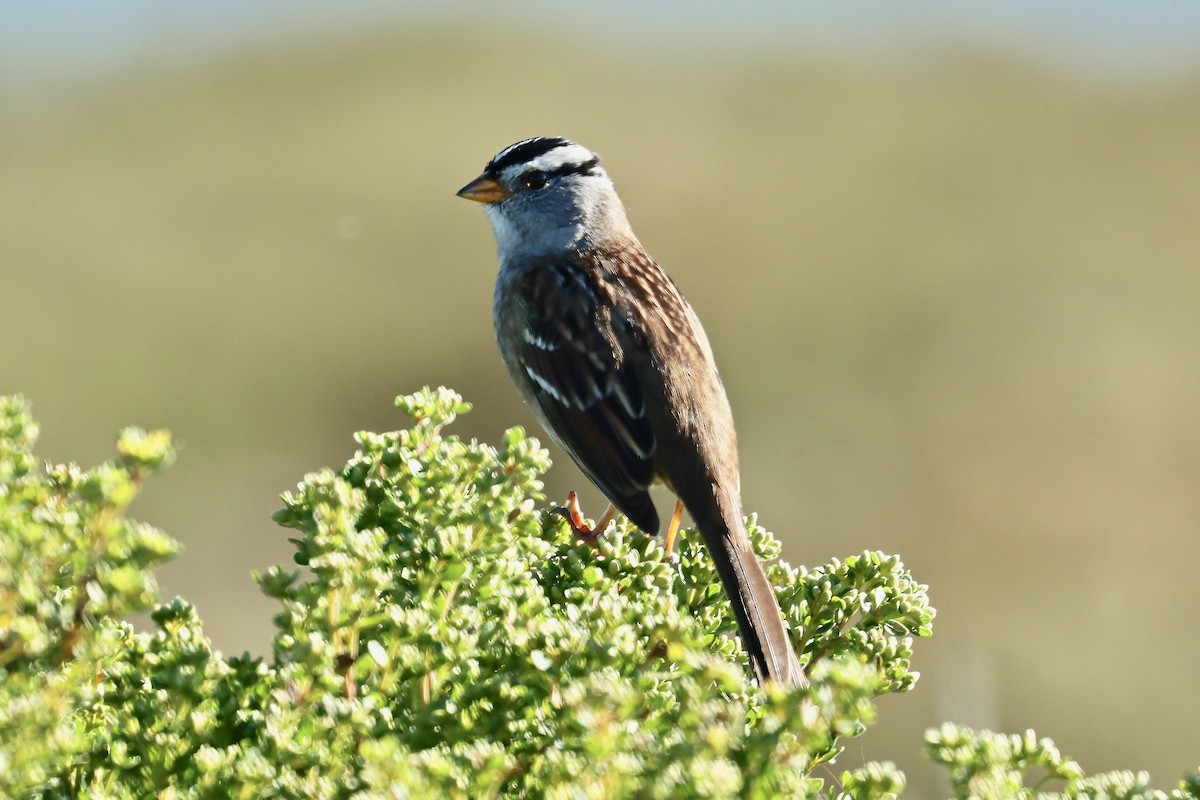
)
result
[(764, 633)]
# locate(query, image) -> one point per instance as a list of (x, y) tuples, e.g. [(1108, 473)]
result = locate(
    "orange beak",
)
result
[(484, 190)]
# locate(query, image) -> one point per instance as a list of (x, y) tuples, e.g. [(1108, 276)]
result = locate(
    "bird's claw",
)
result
[(574, 517)]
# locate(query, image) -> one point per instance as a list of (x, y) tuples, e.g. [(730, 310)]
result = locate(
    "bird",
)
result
[(612, 360)]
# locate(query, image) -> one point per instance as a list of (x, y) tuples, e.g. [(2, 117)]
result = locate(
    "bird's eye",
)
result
[(534, 180)]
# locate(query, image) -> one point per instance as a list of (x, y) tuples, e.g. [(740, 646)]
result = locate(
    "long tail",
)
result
[(764, 633)]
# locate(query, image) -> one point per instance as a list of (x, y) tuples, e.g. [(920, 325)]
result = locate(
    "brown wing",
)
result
[(577, 354)]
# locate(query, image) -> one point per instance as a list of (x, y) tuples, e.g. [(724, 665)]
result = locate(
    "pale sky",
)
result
[(67, 37)]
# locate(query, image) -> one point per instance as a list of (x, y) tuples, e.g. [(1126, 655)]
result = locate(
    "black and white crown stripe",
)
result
[(552, 155)]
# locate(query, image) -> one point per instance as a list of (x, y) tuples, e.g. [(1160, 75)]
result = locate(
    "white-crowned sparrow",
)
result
[(614, 363)]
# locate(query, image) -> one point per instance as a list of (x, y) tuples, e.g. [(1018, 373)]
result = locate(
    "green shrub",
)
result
[(444, 636)]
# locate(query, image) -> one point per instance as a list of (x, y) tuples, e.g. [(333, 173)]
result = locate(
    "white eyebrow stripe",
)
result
[(548, 162)]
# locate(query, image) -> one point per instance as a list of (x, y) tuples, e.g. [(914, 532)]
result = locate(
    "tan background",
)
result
[(953, 290)]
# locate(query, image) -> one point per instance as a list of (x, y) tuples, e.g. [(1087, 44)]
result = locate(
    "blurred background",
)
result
[(949, 258)]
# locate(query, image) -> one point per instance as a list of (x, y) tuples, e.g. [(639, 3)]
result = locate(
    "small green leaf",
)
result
[(592, 575)]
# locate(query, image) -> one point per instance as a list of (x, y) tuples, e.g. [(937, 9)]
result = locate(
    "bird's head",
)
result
[(548, 194)]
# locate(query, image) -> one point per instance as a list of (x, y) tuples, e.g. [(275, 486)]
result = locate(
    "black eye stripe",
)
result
[(586, 168), (536, 179)]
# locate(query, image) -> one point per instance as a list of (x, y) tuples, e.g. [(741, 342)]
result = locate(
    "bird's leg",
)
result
[(579, 525), (605, 518), (673, 528)]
